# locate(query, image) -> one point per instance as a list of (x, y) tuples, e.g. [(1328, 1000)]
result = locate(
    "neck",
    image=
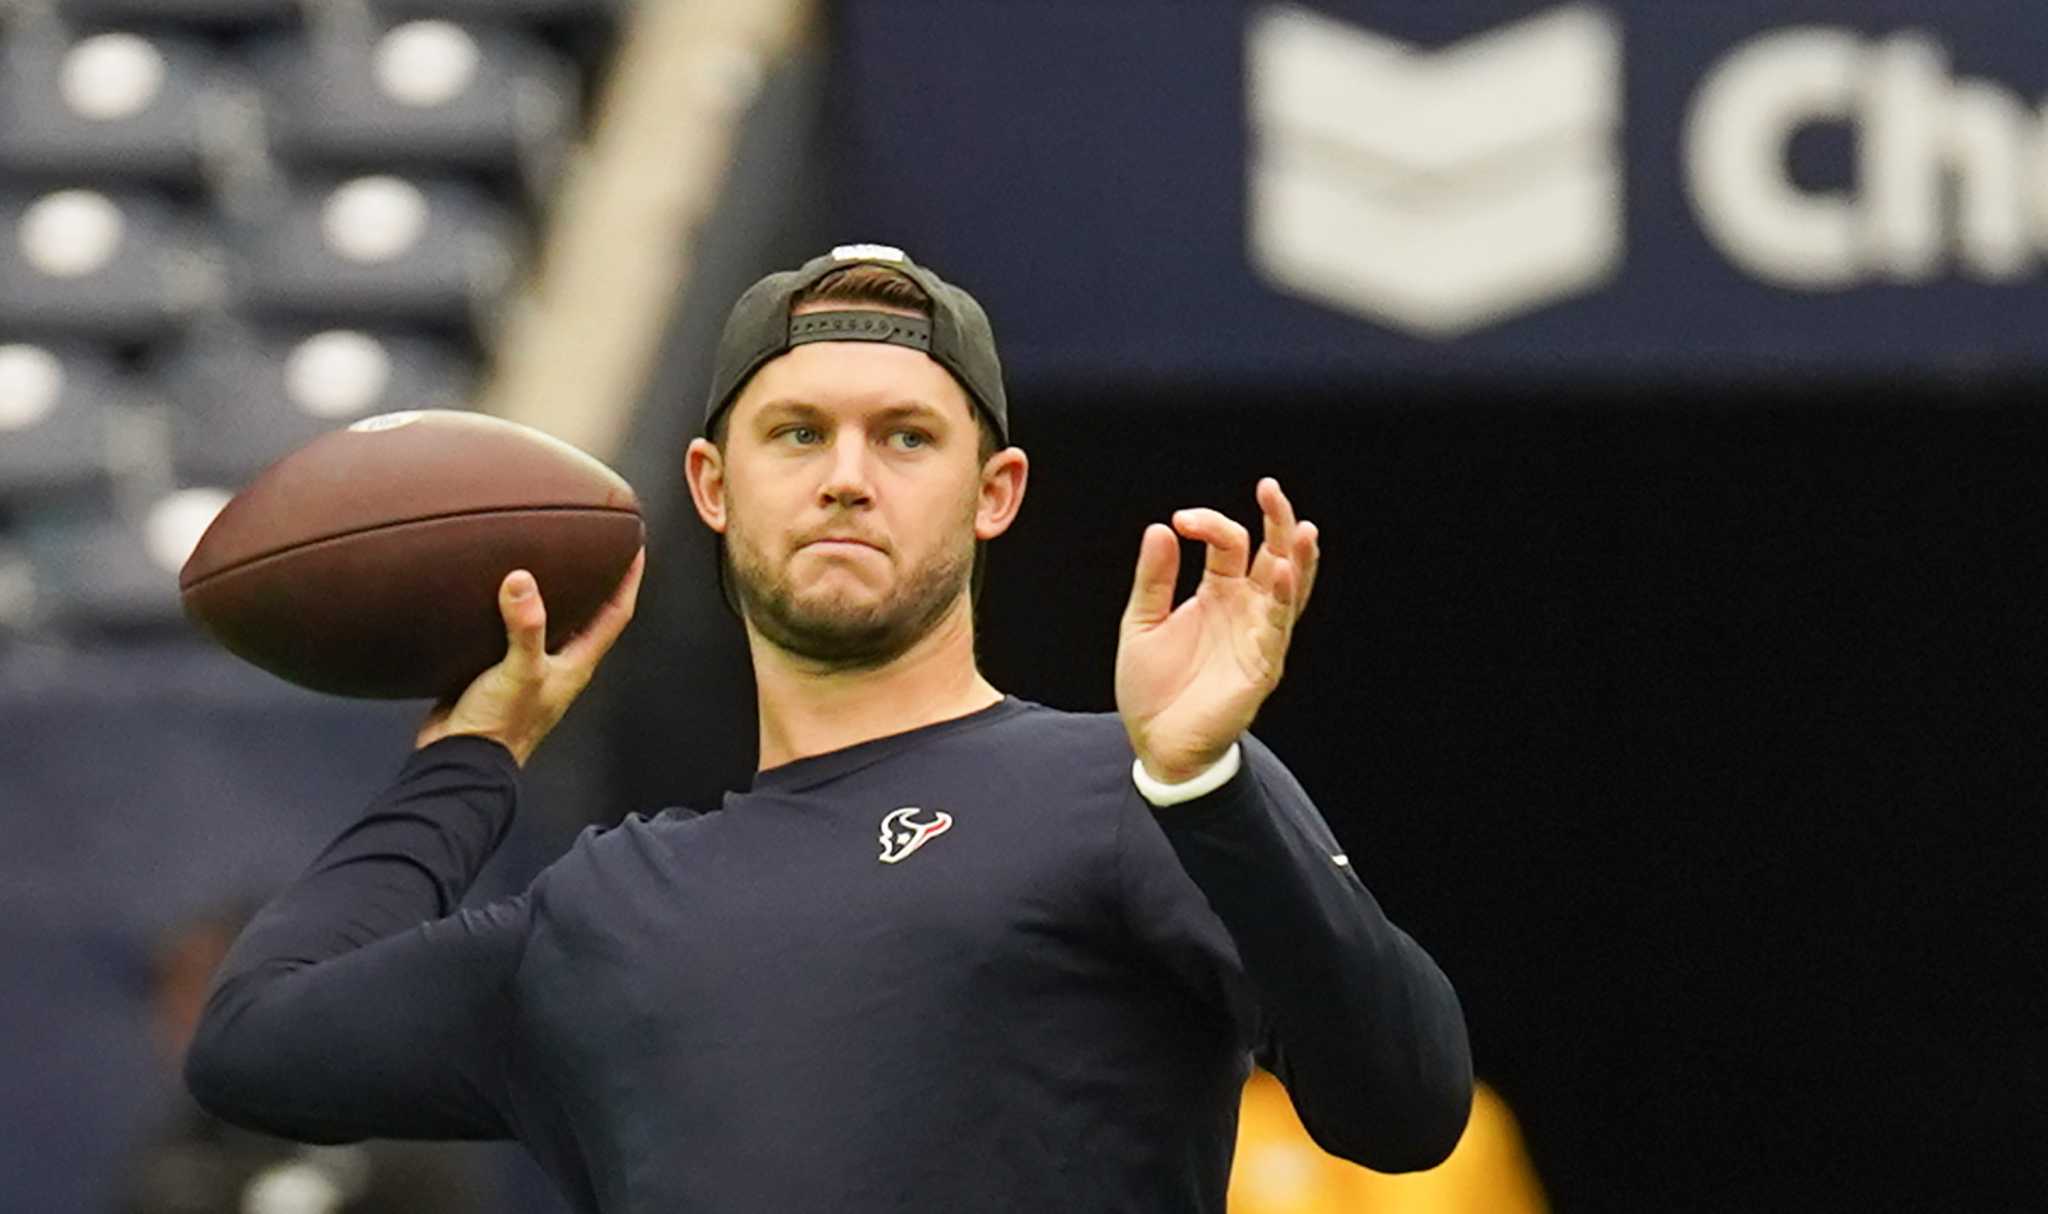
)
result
[(808, 710)]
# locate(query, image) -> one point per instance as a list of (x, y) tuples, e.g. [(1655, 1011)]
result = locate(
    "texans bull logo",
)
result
[(903, 834)]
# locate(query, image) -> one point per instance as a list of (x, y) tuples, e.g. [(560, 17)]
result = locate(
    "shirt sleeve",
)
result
[(361, 1002), (1354, 1017)]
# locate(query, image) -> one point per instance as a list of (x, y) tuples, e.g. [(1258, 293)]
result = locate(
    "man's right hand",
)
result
[(520, 699)]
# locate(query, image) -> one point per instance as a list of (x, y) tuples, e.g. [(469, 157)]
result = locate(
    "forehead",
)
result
[(855, 377)]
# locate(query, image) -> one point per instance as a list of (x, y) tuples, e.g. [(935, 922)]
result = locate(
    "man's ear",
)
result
[(1003, 479), (704, 469)]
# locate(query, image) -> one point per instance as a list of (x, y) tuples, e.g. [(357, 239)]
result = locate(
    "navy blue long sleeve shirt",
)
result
[(1046, 1000)]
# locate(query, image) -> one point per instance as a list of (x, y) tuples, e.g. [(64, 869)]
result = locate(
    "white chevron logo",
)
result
[(1435, 191)]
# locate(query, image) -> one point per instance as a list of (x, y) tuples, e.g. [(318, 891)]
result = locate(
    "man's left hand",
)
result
[(1189, 679)]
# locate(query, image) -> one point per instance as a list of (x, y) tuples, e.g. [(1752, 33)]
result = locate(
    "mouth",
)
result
[(839, 544)]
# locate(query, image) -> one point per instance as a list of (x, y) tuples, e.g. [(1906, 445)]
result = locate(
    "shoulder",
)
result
[(609, 853), (1080, 754), (1097, 740), (1089, 733), (575, 902), (636, 828)]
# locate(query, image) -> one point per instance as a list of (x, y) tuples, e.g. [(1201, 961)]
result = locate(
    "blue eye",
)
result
[(917, 438), (803, 434)]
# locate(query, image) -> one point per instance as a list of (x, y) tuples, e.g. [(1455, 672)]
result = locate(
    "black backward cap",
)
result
[(958, 334)]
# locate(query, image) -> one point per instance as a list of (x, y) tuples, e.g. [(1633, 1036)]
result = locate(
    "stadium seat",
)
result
[(241, 399), (550, 12), (227, 226), (117, 106), (228, 14), (427, 94), (111, 266), (380, 249), (95, 569), (54, 405)]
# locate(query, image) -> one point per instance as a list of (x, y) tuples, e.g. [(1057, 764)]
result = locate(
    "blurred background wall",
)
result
[(1663, 379)]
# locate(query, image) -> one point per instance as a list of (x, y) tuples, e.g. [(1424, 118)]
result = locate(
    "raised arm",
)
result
[(1358, 1022), (357, 1004), (360, 1002)]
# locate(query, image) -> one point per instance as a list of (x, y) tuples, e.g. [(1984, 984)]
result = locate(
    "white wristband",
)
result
[(1163, 794)]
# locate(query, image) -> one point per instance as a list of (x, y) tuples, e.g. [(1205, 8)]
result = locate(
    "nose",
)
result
[(846, 481)]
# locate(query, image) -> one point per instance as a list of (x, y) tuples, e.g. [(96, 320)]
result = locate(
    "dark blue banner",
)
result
[(1174, 188)]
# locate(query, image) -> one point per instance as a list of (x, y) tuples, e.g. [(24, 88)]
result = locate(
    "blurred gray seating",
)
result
[(113, 266), (538, 12), (19, 609), (240, 398), (93, 568), (427, 95), (56, 404), (226, 15), (116, 106), (379, 250)]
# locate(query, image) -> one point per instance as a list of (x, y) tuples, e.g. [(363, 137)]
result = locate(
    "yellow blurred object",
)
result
[(1280, 1170)]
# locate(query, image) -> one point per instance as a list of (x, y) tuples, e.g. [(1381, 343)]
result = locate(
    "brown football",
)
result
[(367, 562)]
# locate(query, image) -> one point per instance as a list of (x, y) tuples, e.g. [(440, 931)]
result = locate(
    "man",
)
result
[(953, 950)]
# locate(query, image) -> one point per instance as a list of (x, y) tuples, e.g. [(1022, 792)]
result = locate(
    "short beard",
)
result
[(837, 638)]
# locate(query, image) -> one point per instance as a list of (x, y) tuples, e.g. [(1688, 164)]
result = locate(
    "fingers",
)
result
[(1279, 514), (1287, 539), (526, 620), (1283, 569), (1307, 555), (1280, 610), (1152, 584), (598, 636), (1230, 545)]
